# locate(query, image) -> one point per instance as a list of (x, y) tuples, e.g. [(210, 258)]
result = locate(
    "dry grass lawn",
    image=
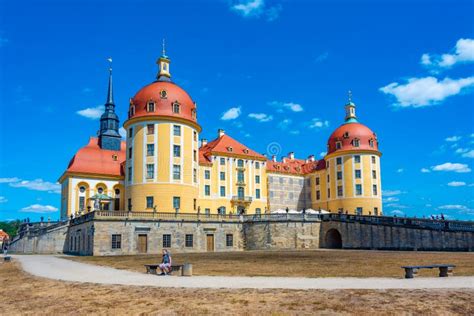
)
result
[(23, 294), (315, 263)]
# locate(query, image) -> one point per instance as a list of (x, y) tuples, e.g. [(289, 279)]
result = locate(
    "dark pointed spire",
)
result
[(109, 137)]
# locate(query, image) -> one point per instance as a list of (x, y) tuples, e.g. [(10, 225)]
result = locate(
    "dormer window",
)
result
[(163, 94), (176, 107), (132, 110), (246, 151), (114, 157), (193, 113), (371, 143), (150, 106), (356, 142), (338, 145), (229, 149), (346, 135)]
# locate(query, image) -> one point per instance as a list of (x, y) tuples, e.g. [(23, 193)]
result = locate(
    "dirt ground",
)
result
[(316, 263), (23, 294)]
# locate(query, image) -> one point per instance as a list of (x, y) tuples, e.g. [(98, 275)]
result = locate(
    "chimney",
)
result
[(283, 159), (220, 132), (311, 157), (291, 155), (274, 158), (203, 142)]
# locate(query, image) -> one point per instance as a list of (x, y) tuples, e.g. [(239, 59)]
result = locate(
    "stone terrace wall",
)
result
[(49, 240)]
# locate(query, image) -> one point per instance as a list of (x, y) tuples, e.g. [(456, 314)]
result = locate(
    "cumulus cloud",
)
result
[(391, 199), (453, 167), (456, 207), (468, 154), (92, 113), (463, 52), (318, 123), (35, 185), (453, 139), (38, 208), (391, 192), (261, 117), (3, 199), (292, 106), (425, 170), (231, 114), (421, 92), (456, 183), (256, 9)]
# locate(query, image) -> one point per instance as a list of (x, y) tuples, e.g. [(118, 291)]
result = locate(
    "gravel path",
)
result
[(62, 269)]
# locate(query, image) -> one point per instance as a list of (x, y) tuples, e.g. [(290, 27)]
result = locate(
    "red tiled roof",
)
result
[(92, 159), (295, 166), (346, 133), (3, 235), (228, 146)]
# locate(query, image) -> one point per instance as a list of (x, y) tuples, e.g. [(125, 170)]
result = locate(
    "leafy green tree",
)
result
[(11, 227)]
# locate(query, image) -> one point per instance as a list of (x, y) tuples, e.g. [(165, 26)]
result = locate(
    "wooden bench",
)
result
[(444, 270), (7, 258), (153, 268)]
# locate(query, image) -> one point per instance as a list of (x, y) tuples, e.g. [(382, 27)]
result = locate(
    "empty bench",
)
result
[(153, 268), (444, 269)]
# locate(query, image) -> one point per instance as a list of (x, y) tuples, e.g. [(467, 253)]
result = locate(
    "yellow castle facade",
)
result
[(164, 166)]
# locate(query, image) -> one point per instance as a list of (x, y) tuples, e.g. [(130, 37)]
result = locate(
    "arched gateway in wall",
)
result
[(333, 239)]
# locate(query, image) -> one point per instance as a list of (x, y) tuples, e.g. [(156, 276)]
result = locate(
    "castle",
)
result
[(163, 166)]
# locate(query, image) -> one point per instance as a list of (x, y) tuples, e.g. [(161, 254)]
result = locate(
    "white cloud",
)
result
[(3, 199), (323, 153), (420, 92), (92, 113), (456, 183), (292, 106), (261, 117), (463, 52), (294, 132), (231, 114), (273, 13), (36, 185), (391, 192), (123, 132), (391, 199), (400, 170), (9, 180), (468, 154), (38, 208), (425, 170), (318, 123), (249, 8), (456, 207), (453, 139), (284, 124), (397, 212), (455, 167)]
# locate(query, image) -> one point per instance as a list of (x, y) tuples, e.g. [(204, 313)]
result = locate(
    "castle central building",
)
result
[(164, 166)]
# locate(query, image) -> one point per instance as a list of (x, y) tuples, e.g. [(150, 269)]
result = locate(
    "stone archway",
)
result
[(333, 239)]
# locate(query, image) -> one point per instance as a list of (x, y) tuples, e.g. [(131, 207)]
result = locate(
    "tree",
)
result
[(11, 227)]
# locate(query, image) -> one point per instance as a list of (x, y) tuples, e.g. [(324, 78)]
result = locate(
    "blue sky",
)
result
[(265, 71)]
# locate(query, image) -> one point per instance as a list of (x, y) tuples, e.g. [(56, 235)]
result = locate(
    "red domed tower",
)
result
[(353, 168), (161, 170)]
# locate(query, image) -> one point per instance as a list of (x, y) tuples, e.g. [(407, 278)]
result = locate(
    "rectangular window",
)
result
[(82, 202), (339, 175), (258, 211), (222, 161), (176, 172), (281, 180), (359, 210), (376, 211), (373, 159), (130, 132), (339, 190), (176, 151), (150, 129), (207, 190), (166, 241), (129, 203), (176, 130), (149, 202), (195, 155), (317, 181), (257, 193), (207, 211), (195, 176), (329, 193), (240, 176), (339, 160), (338, 145), (189, 241), (257, 165), (358, 189), (116, 241), (257, 179), (150, 149), (229, 240), (195, 136), (130, 152), (176, 202), (357, 159), (222, 191), (129, 173), (318, 195), (207, 174), (291, 196), (150, 171), (222, 176), (194, 204), (374, 189), (374, 174), (329, 179), (357, 174)]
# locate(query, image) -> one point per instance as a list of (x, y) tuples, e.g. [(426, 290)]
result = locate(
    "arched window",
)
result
[(356, 142), (132, 110), (240, 163), (193, 113), (371, 143), (100, 190), (151, 106), (338, 145), (176, 107), (82, 189)]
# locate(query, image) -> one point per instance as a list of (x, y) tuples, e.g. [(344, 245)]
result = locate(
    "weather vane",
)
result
[(163, 48), (110, 63), (349, 95)]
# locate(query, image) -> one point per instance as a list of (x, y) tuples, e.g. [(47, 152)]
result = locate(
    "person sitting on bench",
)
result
[(165, 265)]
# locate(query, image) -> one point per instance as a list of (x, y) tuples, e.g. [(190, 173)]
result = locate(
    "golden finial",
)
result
[(349, 96), (163, 51)]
